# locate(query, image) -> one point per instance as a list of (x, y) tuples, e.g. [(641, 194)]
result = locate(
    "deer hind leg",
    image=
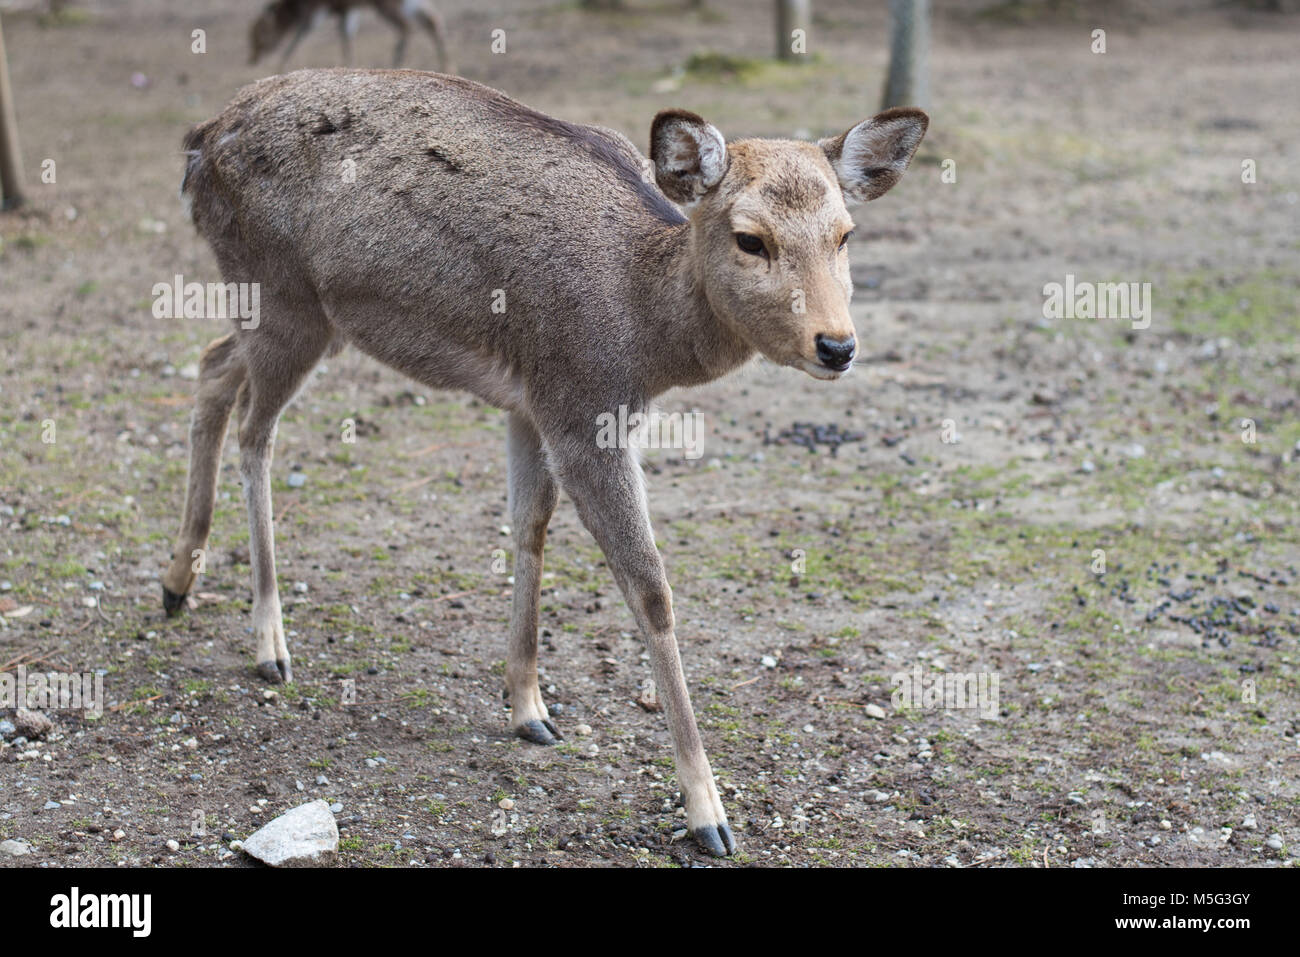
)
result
[(607, 488), (221, 371), (532, 501), (275, 371)]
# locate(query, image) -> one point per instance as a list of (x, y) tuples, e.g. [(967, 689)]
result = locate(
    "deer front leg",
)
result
[(532, 500), (606, 486)]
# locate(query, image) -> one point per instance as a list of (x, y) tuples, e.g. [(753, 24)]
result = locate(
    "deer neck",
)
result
[(686, 342)]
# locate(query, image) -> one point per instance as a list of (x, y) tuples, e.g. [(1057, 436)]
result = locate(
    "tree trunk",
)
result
[(11, 193), (792, 15), (909, 54)]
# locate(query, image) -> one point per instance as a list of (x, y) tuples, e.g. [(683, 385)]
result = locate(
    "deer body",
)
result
[(538, 264)]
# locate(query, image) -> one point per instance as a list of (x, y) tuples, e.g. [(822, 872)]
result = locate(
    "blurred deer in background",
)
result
[(300, 17)]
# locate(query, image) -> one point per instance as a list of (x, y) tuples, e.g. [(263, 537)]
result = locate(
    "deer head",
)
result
[(770, 225)]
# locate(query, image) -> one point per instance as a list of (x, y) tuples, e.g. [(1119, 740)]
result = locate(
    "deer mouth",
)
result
[(819, 370)]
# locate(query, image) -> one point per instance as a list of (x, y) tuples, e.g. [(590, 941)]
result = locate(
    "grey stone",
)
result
[(307, 836), (14, 848), (32, 724)]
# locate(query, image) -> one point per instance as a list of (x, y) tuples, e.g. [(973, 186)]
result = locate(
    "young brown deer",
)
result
[(461, 198), (301, 16)]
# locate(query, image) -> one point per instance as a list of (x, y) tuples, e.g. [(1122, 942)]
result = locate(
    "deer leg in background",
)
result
[(347, 30), (432, 23)]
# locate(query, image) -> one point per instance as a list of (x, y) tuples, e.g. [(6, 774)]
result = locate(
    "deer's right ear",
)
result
[(690, 155)]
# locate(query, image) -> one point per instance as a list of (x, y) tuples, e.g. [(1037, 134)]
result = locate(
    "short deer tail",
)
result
[(193, 146)]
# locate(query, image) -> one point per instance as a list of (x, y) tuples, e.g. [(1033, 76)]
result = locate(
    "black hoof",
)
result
[(540, 732), (172, 602), (716, 840), (270, 672), (286, 670)]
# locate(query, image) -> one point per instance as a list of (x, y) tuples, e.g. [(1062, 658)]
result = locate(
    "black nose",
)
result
[(836, 353)]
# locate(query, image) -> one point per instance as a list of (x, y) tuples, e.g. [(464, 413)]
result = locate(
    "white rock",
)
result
[(173, 846), (875, 711), (304, 837)]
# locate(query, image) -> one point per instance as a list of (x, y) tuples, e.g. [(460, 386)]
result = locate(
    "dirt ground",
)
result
[(1103, 517)]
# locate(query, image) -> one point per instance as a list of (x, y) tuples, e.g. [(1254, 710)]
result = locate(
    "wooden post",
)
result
[(792, 15), (11, 191)]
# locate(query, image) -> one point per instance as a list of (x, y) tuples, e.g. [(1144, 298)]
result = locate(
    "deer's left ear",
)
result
[(871, 157)]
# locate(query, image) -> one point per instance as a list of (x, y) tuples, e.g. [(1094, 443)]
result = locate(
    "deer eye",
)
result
[(751, 244), (845, 240)]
